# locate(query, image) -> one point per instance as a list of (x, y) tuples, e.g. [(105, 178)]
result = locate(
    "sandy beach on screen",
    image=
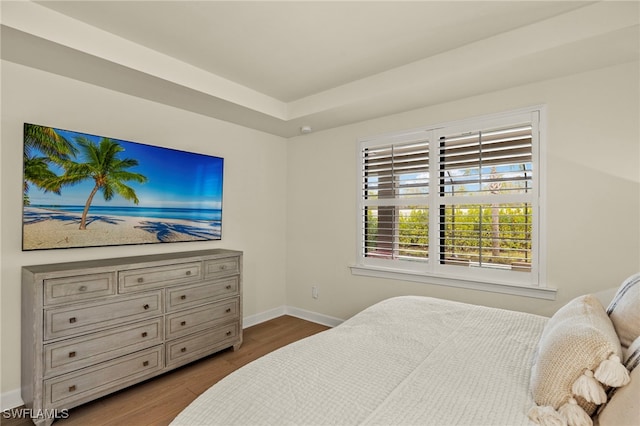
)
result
[(45, 228)]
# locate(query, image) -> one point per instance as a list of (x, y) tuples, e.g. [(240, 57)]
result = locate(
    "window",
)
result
[(459, 202)]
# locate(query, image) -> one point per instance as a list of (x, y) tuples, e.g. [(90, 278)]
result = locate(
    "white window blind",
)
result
[(485, 198), (395, 187), (460, 199)]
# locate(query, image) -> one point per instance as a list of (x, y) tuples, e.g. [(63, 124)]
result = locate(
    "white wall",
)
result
[(254, 216), (593, 166)]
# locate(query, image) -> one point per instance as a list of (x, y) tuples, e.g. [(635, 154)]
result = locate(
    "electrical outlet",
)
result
[(314, 292)]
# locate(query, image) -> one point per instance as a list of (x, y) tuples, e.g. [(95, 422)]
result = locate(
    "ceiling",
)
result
[(278, 66)]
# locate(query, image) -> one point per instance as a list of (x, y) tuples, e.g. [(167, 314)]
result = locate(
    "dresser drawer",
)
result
[(221, 267), (184, 297), (197, 345), (159, 276), (200, 318), (80, 352), (76, 288), (89, 383), (67, 321)]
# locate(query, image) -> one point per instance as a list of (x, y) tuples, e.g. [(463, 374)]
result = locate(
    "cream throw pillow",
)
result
[(624, 407), (624, 310), (578, 353)]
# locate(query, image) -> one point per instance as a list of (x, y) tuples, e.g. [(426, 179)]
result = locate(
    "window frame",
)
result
[(531, 284)]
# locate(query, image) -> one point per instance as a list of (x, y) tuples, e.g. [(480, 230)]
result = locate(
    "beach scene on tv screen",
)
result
[(83, 190)]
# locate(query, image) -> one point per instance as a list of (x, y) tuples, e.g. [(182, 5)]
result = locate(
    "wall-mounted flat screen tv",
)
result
[(82, 190)]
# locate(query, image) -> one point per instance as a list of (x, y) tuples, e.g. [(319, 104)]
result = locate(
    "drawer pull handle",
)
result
[(183, 350), (188, 272), (183, 323), (72, 388), (228, 287), (82, 288), (140, 279), (144, 334), (183, 297), (146, 306), (228, 333), (223, 267), (146, 363), (72, 320), (72, 354), (228, 310)]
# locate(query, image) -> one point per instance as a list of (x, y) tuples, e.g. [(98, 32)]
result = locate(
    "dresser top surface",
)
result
[(135, 261)]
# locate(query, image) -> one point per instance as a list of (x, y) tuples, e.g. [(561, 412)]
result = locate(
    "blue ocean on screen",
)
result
[(209, 215)]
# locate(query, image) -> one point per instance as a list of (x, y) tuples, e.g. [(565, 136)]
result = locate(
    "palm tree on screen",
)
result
[(40, 140), (105, 168)]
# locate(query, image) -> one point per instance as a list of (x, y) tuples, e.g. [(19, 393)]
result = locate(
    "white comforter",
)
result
[(404, 361)]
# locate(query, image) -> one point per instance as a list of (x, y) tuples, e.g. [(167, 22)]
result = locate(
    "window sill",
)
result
[(421, 277)]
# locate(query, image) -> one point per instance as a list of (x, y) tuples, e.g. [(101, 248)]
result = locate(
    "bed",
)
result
[(415, 360)]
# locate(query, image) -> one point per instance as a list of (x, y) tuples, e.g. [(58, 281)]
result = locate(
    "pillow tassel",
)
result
[(574, 414), (546, 416), (589, 388), (611, 372)]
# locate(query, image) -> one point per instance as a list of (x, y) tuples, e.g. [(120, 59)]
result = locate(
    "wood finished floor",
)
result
[(157, 401)]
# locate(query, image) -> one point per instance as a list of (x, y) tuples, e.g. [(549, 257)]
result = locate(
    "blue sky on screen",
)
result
[(176, 179)]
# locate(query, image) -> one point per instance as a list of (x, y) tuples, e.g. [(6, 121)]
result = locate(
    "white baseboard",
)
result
[(263, 316), (12, 399), (313, 316), (294, 312)]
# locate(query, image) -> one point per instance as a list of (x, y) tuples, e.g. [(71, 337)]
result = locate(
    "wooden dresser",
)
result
[(91, 328)]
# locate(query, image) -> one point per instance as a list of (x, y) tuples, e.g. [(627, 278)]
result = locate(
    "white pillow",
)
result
[(624, 310), (631, 355)]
